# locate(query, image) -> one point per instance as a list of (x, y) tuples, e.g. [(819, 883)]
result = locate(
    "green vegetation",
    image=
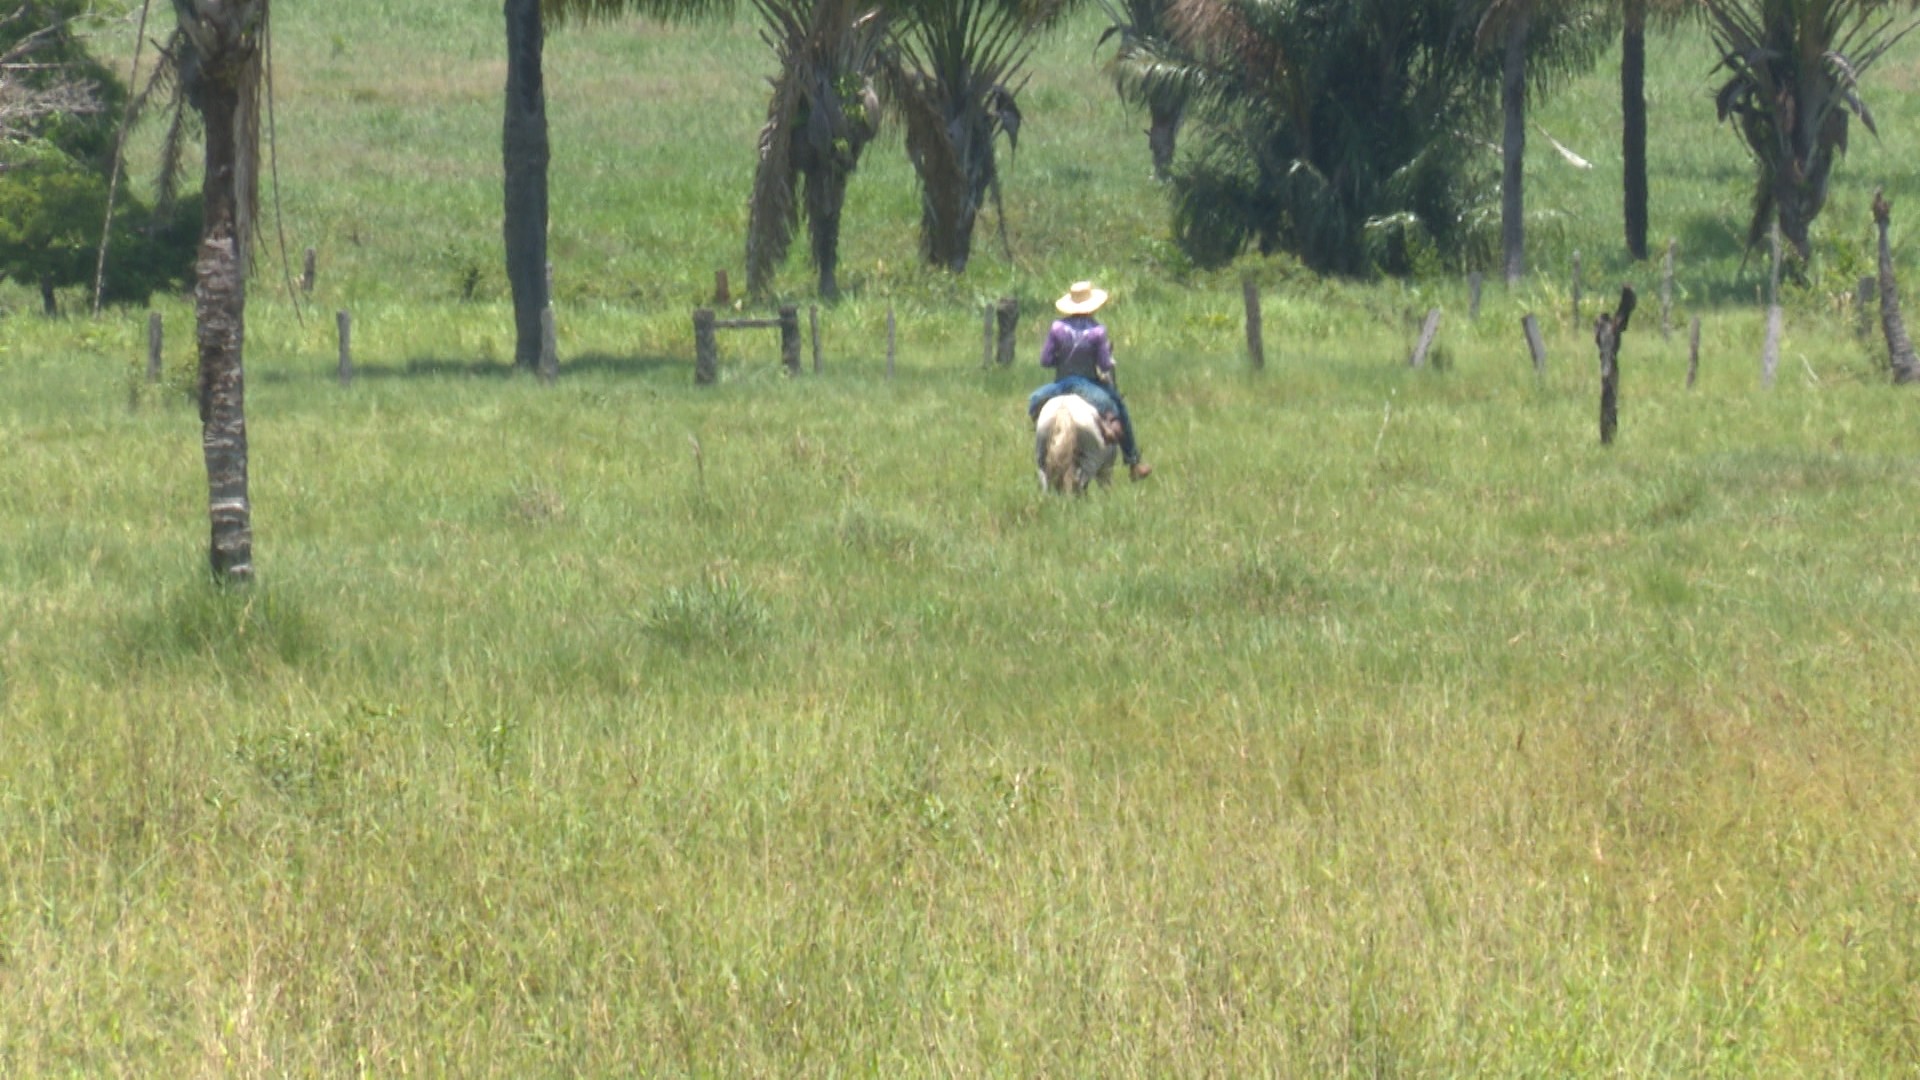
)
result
[(780, 727), (58, 109)]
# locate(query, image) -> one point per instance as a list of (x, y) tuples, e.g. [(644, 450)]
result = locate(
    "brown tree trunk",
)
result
[(1163, 131), (524, 153), (1906, 368), (1607, 331), (1633, 125), (1513, 151), (825, 195), (220, 301), (49, 304)]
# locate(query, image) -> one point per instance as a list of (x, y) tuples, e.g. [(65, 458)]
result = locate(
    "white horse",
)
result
[(1072, 446)]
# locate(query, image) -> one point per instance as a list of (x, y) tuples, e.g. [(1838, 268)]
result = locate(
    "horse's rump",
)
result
[(1068, 448)]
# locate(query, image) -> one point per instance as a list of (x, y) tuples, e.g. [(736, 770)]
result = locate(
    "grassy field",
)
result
[(622, 727)]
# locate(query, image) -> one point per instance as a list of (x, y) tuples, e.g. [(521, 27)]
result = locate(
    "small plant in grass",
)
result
[(311, 766), (717, 613)]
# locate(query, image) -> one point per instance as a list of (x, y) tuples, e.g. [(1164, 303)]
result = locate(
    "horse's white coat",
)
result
[(1068, 449)]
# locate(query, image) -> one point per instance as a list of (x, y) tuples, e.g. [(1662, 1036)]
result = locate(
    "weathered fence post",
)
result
[(889, 340), (1607, 330), (1900, 356), (813, 326), (790, 338), (1256, 344), (154, 341), (1576, 290), (1473, 295), (343, 322), (308, 268), (1427, 331), (1531, 327), (706, 348), (549, 347), (1666, 291), (1693, 354), (1006, 316), (1776, 316), (722, 296)]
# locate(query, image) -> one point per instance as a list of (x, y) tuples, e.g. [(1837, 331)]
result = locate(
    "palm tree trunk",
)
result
[(1633, 125), (826, 193), (1163, 130), (1513, 151), (220, 302), (524, 150)]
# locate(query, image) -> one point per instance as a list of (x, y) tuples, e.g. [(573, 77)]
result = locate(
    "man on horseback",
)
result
[(1081, 355)]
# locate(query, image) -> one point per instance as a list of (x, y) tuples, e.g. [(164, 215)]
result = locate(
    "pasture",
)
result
[(780, 727)]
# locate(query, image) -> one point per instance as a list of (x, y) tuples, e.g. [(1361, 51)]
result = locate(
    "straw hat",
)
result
[(1081, 299)]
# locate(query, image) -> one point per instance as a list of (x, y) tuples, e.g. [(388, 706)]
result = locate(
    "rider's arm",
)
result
[(1050, 351)]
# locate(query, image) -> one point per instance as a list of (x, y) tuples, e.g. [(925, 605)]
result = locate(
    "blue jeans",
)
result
[(1101, 397)]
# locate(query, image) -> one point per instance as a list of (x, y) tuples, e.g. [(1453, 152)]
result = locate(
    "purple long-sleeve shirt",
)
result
[(1078, 345)]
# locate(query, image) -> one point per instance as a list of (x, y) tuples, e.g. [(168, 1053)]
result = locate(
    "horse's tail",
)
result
[(1062, 458)]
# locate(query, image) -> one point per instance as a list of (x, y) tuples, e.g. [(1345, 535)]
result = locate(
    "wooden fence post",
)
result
[(1531, 327), (889, 340), (1776, 316), (1607, 331), (549, 347), (1576, 291), (790, 338), (1006, 315), (154, 342), (1256, 345), (813, 325), (706, 348), (1427, 332), (343, 322), (1666, 291), (1693, 354), (722, 296), (307, 270)]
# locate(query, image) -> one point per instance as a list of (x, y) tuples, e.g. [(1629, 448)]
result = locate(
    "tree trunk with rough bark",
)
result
[(220, 301), (1513, 150), (1906, 368), (1163, 131), (524, 152), (1607, 331), (826, 194), (1633, 125)]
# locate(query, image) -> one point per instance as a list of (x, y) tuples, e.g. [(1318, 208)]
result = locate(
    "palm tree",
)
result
[(1540, 41), (524, 157), (1636, 15), (1793, 74), (822, 114), (524, 148), (1142, 28), (1633, 124), (217, 58), (1327, 128), (953, 71)]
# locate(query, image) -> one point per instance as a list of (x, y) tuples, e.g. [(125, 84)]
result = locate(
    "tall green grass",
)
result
[(781, 727)]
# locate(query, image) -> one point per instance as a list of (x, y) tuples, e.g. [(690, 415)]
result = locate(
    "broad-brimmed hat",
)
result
[(1081, 299)]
